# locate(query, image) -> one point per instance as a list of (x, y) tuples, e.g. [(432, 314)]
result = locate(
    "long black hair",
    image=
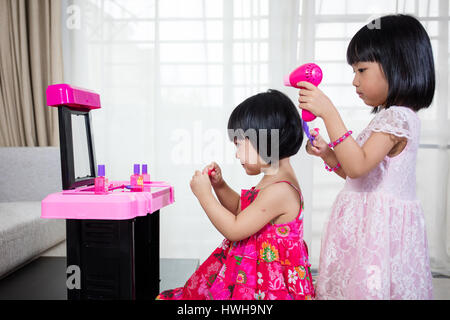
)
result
[(265, 112), (402, 47)]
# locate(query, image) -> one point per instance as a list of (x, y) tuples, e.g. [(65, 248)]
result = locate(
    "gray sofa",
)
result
[(27, 175)]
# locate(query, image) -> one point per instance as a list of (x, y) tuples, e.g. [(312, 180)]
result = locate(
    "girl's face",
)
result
[(248, 156), (371, 83)]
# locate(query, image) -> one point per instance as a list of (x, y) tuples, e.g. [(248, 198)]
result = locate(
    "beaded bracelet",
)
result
[(334, 144), (332, 169)]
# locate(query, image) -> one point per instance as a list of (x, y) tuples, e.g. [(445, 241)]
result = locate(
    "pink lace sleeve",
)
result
[(393, 121)]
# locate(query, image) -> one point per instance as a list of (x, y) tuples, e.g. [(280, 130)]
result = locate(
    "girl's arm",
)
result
[(331, 160), (321, 149), (269, 204), (228, 197), (356, 161)]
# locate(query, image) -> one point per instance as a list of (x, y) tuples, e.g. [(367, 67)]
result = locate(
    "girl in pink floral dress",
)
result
[(263, 255), (374, 244)]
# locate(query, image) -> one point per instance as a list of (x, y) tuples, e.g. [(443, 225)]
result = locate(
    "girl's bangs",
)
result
[(360, 49), (235, 127)]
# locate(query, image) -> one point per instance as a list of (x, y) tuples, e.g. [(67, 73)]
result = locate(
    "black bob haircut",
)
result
[(402, 47), (267, 111)]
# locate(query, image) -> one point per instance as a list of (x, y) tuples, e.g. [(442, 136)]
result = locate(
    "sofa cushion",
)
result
[(24, 234), (29, 173)]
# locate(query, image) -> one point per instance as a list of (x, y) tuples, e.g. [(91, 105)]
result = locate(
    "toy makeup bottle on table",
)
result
[(112, 233), (136, 179), (101, 183), (145, 174), (146, 178), (312, 73)]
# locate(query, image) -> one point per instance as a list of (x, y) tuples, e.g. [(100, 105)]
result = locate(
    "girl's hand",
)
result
[(200, 184), (313, 99), (216, 175), (319, 146)]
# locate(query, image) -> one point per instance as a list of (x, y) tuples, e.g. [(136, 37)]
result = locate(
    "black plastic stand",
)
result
[(118, 259)]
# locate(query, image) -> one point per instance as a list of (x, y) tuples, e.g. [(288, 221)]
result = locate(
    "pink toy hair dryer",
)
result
[(310, 72)]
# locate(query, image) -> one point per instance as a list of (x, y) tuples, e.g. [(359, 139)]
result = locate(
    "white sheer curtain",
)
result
[(170, 72)]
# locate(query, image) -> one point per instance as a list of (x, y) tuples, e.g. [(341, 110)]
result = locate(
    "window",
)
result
[(165, 67)]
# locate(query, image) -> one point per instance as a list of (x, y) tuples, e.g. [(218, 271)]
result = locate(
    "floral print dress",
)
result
[(271, 264)]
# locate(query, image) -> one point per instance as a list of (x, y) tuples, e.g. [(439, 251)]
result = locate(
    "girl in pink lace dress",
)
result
[(263, 255), (374, 244)]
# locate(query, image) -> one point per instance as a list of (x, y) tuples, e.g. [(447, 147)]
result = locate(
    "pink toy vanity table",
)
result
[(113, 238)]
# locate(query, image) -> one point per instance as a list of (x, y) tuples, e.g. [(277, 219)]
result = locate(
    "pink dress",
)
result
[(271, 264), (374, 244)]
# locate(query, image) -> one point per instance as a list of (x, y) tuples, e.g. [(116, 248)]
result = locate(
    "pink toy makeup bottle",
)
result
[(100, 182), (145, 174), (136, 180)]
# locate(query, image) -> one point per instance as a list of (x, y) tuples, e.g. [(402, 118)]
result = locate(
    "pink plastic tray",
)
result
[(83, 203)]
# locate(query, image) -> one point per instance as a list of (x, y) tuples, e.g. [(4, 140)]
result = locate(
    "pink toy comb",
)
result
[(310, 72)]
